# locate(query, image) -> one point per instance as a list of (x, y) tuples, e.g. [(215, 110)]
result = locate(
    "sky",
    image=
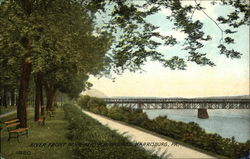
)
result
[(228, 78)]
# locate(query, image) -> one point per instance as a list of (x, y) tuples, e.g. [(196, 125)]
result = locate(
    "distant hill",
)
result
[(99, 94), (215, 97), (228, 97), (95, 93), (134, 97)]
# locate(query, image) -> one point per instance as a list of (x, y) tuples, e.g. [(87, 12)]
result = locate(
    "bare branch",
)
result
[(194, 10), (221, 40)]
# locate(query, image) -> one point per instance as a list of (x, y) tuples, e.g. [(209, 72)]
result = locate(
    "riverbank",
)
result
[(173, 149), (226, 122), (189, 133)]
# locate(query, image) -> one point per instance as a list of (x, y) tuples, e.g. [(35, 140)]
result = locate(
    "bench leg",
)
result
[(27, 133)]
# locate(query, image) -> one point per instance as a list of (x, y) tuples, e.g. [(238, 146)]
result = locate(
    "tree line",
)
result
[(58, 51), (60, 43)]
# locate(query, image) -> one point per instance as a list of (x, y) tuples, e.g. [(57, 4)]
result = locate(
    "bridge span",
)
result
[(180, 103), (202, 104)]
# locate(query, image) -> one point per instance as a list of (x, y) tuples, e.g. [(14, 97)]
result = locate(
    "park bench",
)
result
[(41, 121), (1, 127), (13, 127)]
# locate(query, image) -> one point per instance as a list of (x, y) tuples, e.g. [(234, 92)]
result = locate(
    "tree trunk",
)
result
[(23, 92), (50, 93), (50, 99), (16, 100), (5, 95), (13, 97), (41, 98), (1, 94), (38, 83)]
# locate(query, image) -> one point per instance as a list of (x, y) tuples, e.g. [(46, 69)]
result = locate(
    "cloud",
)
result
[(165, 11)]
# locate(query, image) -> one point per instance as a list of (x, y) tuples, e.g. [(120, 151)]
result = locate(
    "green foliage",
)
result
[(73, 86), (229, 53), (117, 113), (83, 101), (63, 40), (99, 109), (190, 132), (93, 104), (93, 101), (60, 46), (74, 42), (133, 116), (97, 141), (136, 42)]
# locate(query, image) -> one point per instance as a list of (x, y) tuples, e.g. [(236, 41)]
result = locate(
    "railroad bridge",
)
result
[(202, 104)]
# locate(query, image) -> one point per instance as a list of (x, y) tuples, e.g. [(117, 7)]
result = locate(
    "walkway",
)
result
[(175, 151), (12, 112), (7, 114)]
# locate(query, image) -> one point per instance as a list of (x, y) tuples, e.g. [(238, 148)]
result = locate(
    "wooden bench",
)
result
[(13, 127), (41, 121)]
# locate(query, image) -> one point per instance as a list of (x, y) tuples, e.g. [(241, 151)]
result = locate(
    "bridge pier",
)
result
[(140, 106), (202, 113)]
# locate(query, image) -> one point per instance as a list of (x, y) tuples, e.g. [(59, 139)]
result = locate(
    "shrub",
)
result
[(95, 102), (83, 101), (116, 113), (93, 140), (139, 119), (99, 110), (87, 102)]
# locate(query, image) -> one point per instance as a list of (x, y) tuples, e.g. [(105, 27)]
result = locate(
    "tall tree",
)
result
[(51, 36), (62, 39)]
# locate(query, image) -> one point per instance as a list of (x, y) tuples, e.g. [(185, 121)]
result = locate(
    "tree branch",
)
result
[(195, 10), (213, 21)]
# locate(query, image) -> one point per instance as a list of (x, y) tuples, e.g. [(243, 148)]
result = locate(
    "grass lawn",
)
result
[(43, 142), (6, 110)]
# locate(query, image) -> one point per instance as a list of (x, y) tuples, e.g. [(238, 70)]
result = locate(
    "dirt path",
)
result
[(7, 114), (175, 151)]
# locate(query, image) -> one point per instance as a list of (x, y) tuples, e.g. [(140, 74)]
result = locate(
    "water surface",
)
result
[(226, 122)]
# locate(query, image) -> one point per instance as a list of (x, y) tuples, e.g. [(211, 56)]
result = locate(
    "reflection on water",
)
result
[(226, 122)]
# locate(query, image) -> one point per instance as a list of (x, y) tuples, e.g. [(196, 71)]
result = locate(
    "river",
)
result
[(226, 122)]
